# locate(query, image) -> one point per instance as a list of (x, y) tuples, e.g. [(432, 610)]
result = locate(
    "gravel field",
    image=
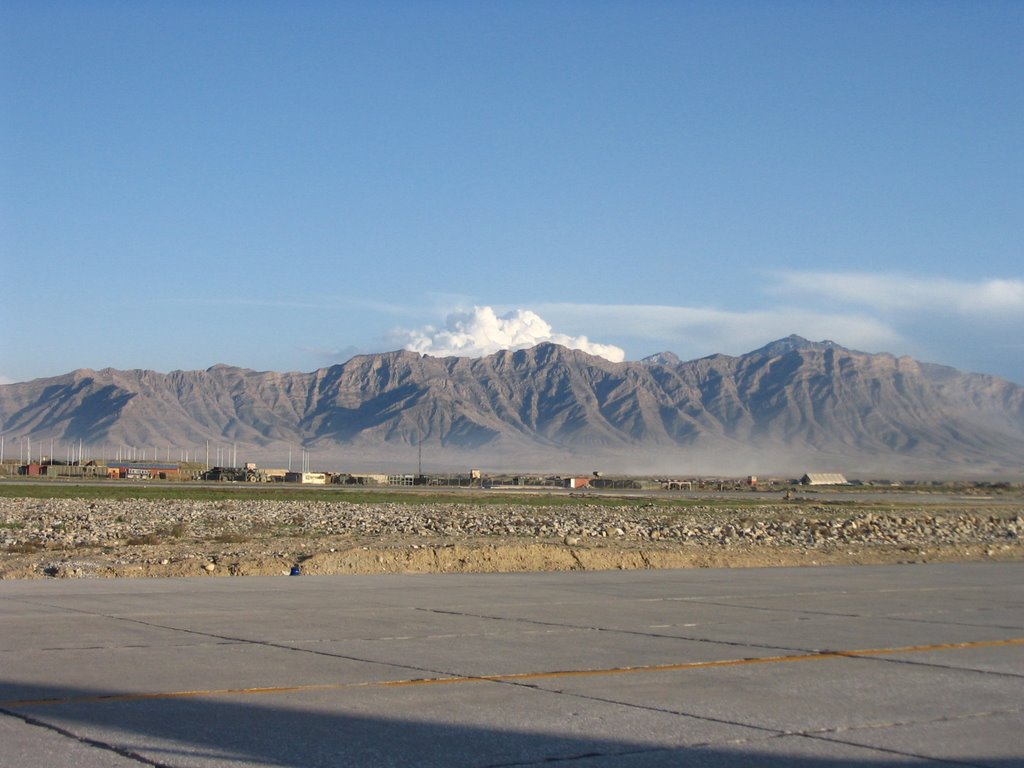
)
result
[(78, 538)]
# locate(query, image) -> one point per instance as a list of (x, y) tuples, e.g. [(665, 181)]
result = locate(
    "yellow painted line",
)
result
[(944, 647), (512, 677), (824, 655)]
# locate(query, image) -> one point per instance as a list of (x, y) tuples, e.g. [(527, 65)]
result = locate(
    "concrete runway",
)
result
[(860, 666)]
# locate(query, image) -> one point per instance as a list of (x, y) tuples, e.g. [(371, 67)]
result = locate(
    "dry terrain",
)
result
[(97, 536)]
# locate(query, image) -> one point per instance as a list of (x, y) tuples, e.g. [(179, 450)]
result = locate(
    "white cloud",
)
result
[(1004, 294), (5, 380), (700, 331), (481, 331), (970, 325), (900, 293)]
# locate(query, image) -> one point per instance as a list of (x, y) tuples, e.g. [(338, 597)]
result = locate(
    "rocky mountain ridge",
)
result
[(793, 404)]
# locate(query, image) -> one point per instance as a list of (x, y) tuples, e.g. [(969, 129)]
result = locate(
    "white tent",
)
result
[(823, 478)]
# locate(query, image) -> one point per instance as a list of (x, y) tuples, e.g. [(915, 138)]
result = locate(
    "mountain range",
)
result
[(790, 406)]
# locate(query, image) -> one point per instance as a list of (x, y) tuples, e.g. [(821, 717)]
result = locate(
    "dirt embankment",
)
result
[(43, 538)]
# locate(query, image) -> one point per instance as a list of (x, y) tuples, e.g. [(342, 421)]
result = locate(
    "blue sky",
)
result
[(281, 185)]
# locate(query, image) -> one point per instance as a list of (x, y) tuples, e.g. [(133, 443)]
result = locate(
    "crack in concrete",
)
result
[(555, 760), (249, 641), (920, 721), (931, 664), (768, 731), (96, 743), (837, 614), (899, 752), (612, 630)]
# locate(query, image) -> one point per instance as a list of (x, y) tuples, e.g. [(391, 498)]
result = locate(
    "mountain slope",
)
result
[(792, 404)]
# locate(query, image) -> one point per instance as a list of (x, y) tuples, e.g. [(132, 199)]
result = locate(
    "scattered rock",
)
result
[(74, 538)]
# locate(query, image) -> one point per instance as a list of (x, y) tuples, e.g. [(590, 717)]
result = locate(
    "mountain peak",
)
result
[(794, 343), (547, 352), (662, 358)]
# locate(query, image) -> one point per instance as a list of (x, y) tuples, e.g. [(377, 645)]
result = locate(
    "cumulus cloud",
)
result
[(972, 325), (482, 331)]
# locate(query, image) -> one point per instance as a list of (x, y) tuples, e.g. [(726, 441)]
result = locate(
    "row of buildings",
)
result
[(251, 473)]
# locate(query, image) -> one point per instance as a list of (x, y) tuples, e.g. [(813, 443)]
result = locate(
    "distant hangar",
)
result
[(824, 478)]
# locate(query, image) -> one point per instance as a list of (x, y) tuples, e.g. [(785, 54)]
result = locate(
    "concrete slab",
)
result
[(598, 669)]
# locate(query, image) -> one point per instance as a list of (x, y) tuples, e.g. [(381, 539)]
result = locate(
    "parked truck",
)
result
[(250, 473)]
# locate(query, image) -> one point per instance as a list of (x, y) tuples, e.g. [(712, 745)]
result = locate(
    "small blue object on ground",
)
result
[(296, 571)]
